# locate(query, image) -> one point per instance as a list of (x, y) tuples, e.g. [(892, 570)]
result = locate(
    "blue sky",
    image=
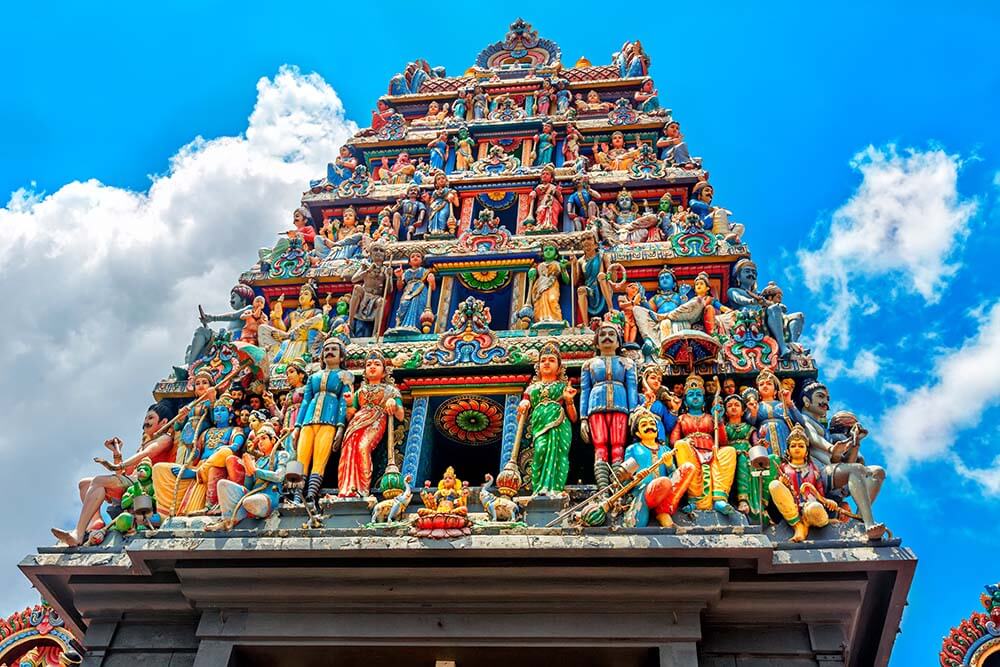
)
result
[(778, 99)]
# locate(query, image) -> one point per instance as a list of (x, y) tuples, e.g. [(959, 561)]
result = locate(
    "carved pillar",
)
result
[(415, 436), (444, 303), (517, 295), (509, 427), (465, 216), (523, 202), (526, 147)]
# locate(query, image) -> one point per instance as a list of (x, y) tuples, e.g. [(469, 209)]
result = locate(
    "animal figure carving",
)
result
[(498, 507), (390, 510)]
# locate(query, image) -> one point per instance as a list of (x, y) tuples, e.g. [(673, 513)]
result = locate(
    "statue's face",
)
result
[(666, 282), (440, 181), (617, 140), (201, 385), (653, 381), (797, 450), (673, 130), (589, 245), (706, 194), (818, 404), (244, 417), (666, 203), (377, 255), (701, 288), (151, 423), (747, 277), (729, 386), (264, 442), (433, 108), (258, 303), (345, 152), (647, 86), (256, 402), (374, 371), (294, 377), (415, 260), (548, 366), (694, 398), (143, 471), (350, 217), (607, 339), (221, 415), (254, 422), (549, 253), (546, 176), (404, 158), (593, 97), (237, 394), (766, 389), (236, 300), (625, 201), (331, 356), (734, 410), (305, 297), (645, 428), (711, 387)]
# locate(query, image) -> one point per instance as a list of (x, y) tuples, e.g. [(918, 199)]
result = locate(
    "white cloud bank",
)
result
[(906, 220), (101, 287)]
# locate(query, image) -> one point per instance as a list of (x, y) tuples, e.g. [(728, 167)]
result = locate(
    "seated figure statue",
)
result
[(743, 296)]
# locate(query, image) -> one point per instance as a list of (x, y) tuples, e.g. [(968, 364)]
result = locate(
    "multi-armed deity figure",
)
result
[(288, 339), (608, 393), (550, 400)]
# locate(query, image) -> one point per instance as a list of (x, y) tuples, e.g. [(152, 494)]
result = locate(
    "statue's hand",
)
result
[(569, 393), (585, 430)]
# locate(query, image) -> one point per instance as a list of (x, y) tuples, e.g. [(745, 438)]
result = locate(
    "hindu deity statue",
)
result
[(259, 494), (608, 393), (571, 144), (342, 168), (593, 104), (563, 97), (287, 339), (545, 99), (543, 287), (347, 244), (401, 171), (752, 495), (218, 443), (370, 413), (368, 298), (798, 493), (594, 293), (713, 218), (632, 60), (441, 209), (439, 151), (616, 157), (549, 400), (698, 312), (240, 299), (834, 449), (668, 295), (545, 207), (628, 221), (775, 415), (700, 439), (460, 107), (545, 143), (320, 422), (792, 323), (581, 205), (408, 213), (659, 495), (450, 496), (436, 113), (743, 296), (416, 285), (464, 149), (673, 148), (480, 104), (647, 99)]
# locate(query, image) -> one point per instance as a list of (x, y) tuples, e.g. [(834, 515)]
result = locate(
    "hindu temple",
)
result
[(508, 390)]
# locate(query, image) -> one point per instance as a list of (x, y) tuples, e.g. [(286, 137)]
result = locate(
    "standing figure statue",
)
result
[(775, 414), (480, 104), (608, 393), (545, 204), (460, 107), (439, 151), (409, 215), (659, 495), (321, 419), (543, 286), (464, 145), (563, 97), (416, 285), (368, 413), (291, 403), (798, 493), (545, 99), (367, 303), (441, 213), (545, 144), (549, 401), (654, 398), (835, 449), (752, 495), (700, 439), (581, 205), (743, 296), (287, 339), (594, 293)]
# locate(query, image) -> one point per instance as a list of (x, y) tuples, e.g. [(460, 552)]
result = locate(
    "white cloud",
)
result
[(865, 366), (102, 284), (904, 222), (931, 419)]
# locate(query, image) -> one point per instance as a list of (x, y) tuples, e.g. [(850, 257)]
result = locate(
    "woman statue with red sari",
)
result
[(368, 412)]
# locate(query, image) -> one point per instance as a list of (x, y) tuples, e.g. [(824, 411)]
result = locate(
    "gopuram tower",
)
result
[(509, 391)]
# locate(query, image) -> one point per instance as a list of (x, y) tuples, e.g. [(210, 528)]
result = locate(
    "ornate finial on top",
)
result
[(521, 48)]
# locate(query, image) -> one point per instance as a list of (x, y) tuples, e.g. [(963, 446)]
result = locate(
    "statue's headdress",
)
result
[(767, 375), (694, 381)]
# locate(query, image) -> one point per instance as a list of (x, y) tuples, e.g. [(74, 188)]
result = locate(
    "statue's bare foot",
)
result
[(801, 532), (875, 532), (67, 537)]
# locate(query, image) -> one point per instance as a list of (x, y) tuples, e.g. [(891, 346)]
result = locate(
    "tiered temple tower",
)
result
[(503, 256)]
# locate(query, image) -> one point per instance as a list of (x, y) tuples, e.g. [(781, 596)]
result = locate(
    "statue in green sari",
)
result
[(752, 496), (549, 398)]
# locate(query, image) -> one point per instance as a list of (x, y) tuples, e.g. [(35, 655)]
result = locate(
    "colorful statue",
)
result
[(287, 339), (647, 99), (367, 303), (543, 291), (594, 293), (798, 493), (563, 97), (592, 105), (259, 494), (321, 419), (545, 207), (545, 99), (129, 520), (480, 104), (742, 296), (545, 143), (581, 205), (697, 313), (219, 442), (608, 393), (342, 168), (752, 495), (629, 222), (460, 108), (440, 210), (291, 403), (416, 285), (571, 145), (240, 299), (631, 61), (700, 439), (401, 171), (617, 157), (549, 401), (660, 493), (391, 510), (439, 151), (464, 149), (348, 237), (775, 415), (673, 148), (370, 412), (654, 399), (713, 218)]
